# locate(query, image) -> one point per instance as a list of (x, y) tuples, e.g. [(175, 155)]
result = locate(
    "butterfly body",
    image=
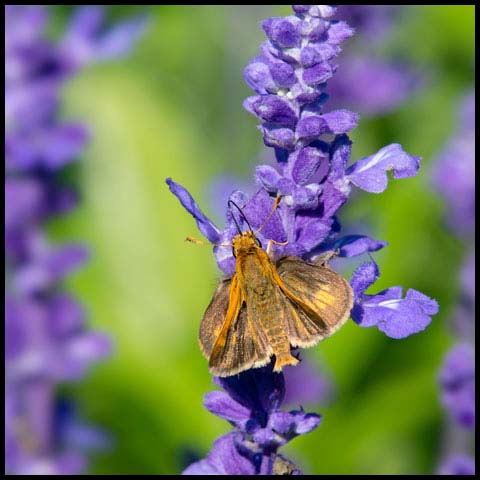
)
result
[(267, 307), (256, 276)]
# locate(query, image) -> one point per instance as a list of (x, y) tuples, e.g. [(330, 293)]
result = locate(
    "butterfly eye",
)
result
[(258, 242)]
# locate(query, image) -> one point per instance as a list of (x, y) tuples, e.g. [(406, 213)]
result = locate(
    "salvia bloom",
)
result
[(46, 339), (251, 403), (313, 175), (454, 179), (368, 82)]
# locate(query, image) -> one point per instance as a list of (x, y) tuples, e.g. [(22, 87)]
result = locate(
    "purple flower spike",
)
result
[(46, 339), (312, 151), (457, 379), (395, 316), (86, 42), (312, 173)]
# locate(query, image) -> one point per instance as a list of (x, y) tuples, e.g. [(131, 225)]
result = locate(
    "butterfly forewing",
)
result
[(214, 317), (235, 346), (320, 296), (243, 349)]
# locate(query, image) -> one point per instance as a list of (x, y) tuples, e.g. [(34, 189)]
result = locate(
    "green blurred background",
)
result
[(174, 108)]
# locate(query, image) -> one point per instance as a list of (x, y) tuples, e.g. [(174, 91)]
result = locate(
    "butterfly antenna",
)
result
[(201, 242), (275, 206), (231, 202)]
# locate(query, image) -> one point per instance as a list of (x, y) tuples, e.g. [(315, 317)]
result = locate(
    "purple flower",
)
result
[(457, 380), (395, 316), (312, 172), (457, 464), (251, 403), (46, 339), (368, 82)]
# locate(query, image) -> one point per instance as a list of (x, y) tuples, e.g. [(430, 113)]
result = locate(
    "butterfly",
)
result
[(269, 306)]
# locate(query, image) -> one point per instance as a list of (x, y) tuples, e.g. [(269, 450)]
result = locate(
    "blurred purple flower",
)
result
[(46, 339), (368, 82), (372, 85), (86, 39), (457, 464), (457, 380), (304, 385), (454, 180), (454, 172)]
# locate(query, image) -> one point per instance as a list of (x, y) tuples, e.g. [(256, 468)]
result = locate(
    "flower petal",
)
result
[(224, 458), (205, 225), (223, 406), (268, 177), (397, 317), (363, 277), (340, 121), (257, 210), (305, 163), (352, 245), (370, 173)]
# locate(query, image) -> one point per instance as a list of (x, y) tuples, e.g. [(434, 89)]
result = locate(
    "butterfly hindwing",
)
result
[(321, 298)]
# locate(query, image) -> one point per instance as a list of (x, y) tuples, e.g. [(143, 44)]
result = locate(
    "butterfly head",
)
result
[(245, 242)]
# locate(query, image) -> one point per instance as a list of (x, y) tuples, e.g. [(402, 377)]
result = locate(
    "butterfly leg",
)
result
[(273, 242), (325, 257)]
